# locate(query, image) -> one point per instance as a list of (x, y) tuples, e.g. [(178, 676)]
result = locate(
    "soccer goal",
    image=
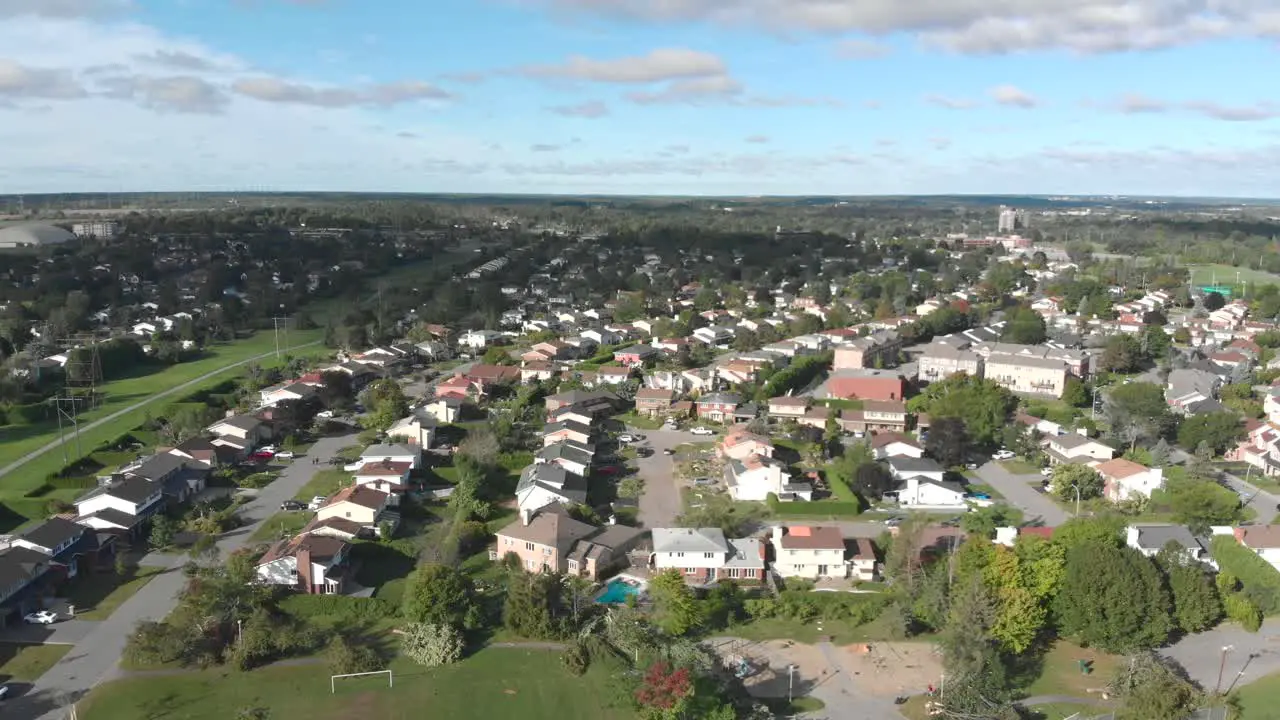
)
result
[(333, 679)]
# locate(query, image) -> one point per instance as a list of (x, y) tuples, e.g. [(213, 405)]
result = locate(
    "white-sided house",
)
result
[(388, 453), (308, 563), (1151, 539), (809, 552), (1076, 448), (704, 555), (119, 504), (755, 477), (418, 429), (740, 443), (1124, 479), (567, 454), (1263, 540), (920, 491), (247, 428), (893, 444), (444, 409), (478, 339), (276, 394), (903, 467), (363, 506), (544, 483)]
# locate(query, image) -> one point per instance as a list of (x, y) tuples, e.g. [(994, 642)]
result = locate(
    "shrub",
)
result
[(351, 609), (575, 659), (345, 657), (1241, 609), (432, 645), (257, 480)]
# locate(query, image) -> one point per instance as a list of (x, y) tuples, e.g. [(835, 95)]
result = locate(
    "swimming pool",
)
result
[(617, 592)]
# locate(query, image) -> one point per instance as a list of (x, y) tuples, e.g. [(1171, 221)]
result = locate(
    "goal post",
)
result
[(333, 679)]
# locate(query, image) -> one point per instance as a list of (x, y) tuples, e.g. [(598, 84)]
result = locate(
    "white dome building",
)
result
[(33, 234)]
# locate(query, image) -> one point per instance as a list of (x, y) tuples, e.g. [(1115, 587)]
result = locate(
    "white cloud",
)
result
[(277, 90), (1012, 96), (544, 148), (1246, 113), (592, 110), (950, 103), (184, 94), (698, 90), (1136, 103), (655, 66), (976, 26), (62, 8), (23, 81)]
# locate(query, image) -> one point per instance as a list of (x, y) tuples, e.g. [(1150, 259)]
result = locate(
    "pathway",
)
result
[(95, 659), (50, 447), (1020, 491)]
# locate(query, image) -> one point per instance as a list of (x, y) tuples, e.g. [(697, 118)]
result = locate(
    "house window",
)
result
[(573, 565), (709, 556), (528, 546), (679, 554)]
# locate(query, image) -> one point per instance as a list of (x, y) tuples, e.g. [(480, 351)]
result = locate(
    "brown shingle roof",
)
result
[(360, 495), (804, 537), (1120, 468)]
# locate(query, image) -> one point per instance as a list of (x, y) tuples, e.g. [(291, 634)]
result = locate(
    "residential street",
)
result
[(660, 503), (1262, 502), (1252, 655), (1020, 491), (95, 659)]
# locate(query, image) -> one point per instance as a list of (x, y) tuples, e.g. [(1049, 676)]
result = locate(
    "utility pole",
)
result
[(1222, 666), (1076, 487), (276, 323)]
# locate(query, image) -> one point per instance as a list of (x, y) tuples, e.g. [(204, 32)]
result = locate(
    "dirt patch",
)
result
[(878, 669)]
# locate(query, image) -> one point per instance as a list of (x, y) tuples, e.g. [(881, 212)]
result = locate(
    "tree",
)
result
[(948, 441), (386, 403), (163, 531), (1201, 503), (431, 645), (481, 445), (1196, 604), (1213, 301), (982, 522), (440, 595), (1103, 529), (1219, 430), (1155, 342), (497, 355), (664, 690), (1138, 411), (983, 406), (346, 657), (1068, 477), (530, 600), (1112, 597), (1148, 688), (1024, 326), (1075, 393), (1160, 453), (676, 610), (1122, 354)]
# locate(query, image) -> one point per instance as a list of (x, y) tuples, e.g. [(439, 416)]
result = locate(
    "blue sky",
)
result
[(702, 97)]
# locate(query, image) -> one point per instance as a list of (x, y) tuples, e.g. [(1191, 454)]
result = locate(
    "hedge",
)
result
[(817, 508), (338, 606), (1260, 581)]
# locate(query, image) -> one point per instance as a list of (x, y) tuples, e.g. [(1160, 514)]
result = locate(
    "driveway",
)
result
[(661, 503), (63, 632), (1252, 655), (95, 659), (1020, 491)]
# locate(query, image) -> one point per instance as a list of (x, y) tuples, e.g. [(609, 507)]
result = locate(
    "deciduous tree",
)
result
[(1113, 598), (440, 595)]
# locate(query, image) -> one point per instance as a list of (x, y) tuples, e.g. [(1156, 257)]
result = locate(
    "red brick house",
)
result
[(634, 356), (717, 407), (654, 401)]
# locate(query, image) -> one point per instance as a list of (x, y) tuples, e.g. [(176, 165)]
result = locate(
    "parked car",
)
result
[(4, 692), (262, 455), (893, 521), (325, 414), (316, 502), (292, 505), (1046, 471), (704, 482), (626, 438), (668, 451), (286, 454), (267, 448), (609, 469), (1003, 455), (700, 430), (40, 617)]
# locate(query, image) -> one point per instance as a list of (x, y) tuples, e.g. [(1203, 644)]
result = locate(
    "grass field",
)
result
[(493, 683), (325, 482), (97, 596), (119, 394), (1260, 699), (1060, 674), (26, 663), (1226, 275), (281, 525)]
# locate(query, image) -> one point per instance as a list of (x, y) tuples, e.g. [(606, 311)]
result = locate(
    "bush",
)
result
[(575, 659), (1260, 581), (345, 657), (257, 480), (432, 645), (351, 609), (1241, 609)]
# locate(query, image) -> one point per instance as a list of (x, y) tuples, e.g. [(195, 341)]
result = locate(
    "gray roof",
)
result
[(689, 540), (904, 465), (53, 532), (115, 517), (565, 451), (384, 451), (33, 234), (132, 489), (244, 422), (745, 553), (554, 478), (156, 467), (1183, 381), (1155, 537), (947, 484), (566, 425)]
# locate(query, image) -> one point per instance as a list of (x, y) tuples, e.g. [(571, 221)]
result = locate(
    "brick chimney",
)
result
[(303, 559)]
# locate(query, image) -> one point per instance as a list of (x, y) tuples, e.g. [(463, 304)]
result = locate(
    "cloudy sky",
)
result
[(642, 96)]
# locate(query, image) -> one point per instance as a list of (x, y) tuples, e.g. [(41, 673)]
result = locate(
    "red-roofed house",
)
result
[(1123, 479)]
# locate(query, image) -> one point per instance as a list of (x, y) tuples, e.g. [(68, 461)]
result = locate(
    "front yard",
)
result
[(325, 483), (26, 663), (98, 595), (281, 525), (493, 683)]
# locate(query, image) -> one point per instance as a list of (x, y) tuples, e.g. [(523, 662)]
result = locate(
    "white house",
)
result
[(388, 453), (704, 554), (921, 491), (1123, 479), (567, 454), (417, 429), (809, 552), (307, 563), (544, 483), (119, 504), (903, 467), (271, 396), (891, 444), (443, 409), (479, 339), (755, 477), (1151, 539)]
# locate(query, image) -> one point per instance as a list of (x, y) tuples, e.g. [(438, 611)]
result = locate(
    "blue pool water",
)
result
[(617, 592)]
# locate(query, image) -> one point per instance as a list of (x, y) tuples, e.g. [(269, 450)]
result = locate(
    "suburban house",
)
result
[(202, 449), (894, 444), (596, 402), (941, 360), (1031, 423), (458, 387), (635, 355), (67, 544), (788, 406), (567, 430), (1076, 362), (1264, 540), (862, 559), (809, 552), (363, 506), (537, 371), (384, 472), (484, 377), (883, 415), (179, 478), (921, 491), (444, 409), (544, 483), (1259, 448), (1187, 388), (755, 477), (1151, 539), (567, 454), (252, 431), (308, 563), (479, 339), (866, 384), (1076, 448), (613, 375), (418, 428), (740, 443), (653, 402), (410, 454), (904, 467), (705, 555), (22, 582), (120, 504), (271, 396), (714, 335), (1124, 479), (571, 414), (548, 540), (876, 350), (717, 407)]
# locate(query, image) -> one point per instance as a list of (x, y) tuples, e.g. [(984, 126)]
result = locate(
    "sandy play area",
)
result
[(883, 669)]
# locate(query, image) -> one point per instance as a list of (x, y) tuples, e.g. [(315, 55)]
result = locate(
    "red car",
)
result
[(263, 455), (610, 470)]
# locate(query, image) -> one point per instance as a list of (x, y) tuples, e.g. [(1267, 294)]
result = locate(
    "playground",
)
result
[(884, 670)]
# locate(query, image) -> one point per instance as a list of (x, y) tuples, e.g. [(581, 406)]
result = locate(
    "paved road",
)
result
[(50, 447), (94, 660), (660, 503), (1019, 491), (1253, 655), (1262, 502)]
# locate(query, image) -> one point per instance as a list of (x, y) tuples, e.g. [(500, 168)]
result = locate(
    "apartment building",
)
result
[(941, 360), (1028, 375)]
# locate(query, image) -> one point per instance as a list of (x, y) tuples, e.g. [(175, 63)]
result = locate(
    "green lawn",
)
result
[(1225, 275), (644, 422), (493, 683), (1061, 671), (26, 663), (98, 595), (119, 394), (1019, 467), (325, 482), (281, 525), (1260, 699), (841, 632)]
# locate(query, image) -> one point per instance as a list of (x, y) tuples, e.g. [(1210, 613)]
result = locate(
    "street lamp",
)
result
[(791, 673), (1221, 666), (1076, 487)]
